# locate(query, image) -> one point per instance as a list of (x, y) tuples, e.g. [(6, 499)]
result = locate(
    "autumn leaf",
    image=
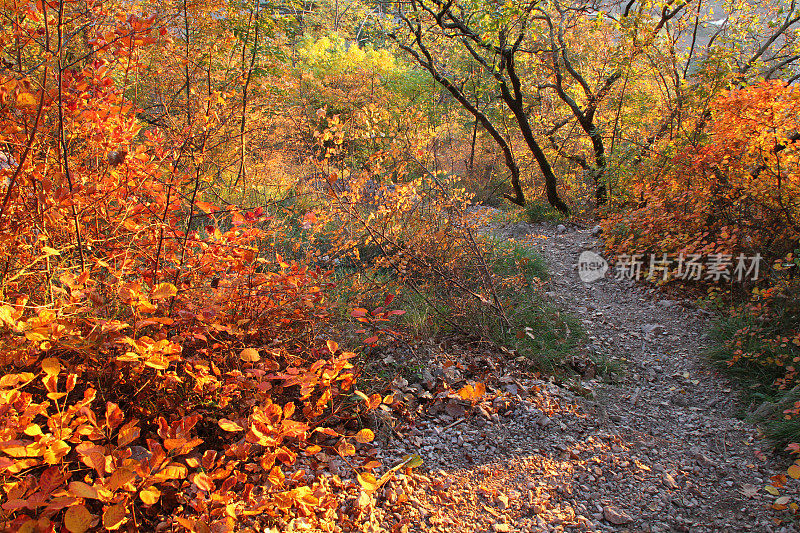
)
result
[(472, 393), (772, 490), (249, 355), (207, 207), (361, 395), (25, 99), (794, 471), (203, 482), (781, 503), (276, 476), (150, 495), (367, 481), (345, 449), (77, 519), (114, 516), (412, 461), (365, 435), (51, 366), (82, 490), (229, 425), (163, 290)]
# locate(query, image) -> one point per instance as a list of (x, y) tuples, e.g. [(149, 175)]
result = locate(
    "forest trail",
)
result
[(657, 449)]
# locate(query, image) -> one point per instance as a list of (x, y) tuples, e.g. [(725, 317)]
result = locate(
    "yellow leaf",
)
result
[(345, 449), (362, 395), (772, 490), (229, 425), (26, 99), (249, 355), (50, 251), (150, 495), (82, 490), (164, 290), (33, 430), (794, 471), (365, 435), (77, 519), (368, 481), (51, 366)]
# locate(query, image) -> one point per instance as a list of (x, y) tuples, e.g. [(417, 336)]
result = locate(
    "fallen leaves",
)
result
[(472, 393)]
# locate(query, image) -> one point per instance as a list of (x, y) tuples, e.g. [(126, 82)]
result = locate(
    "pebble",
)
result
[(615, 516)]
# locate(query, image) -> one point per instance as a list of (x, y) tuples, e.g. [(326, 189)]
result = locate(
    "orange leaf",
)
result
[(345, 449), (150, 495), (25, 99), (82, 490), (229, 425), (163, 290), (77, 519), (114, 516), (249, 355), (205, 206), (203, 482), (51, 366), (365, 435)]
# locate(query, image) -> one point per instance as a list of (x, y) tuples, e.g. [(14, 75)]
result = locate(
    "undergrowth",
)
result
[(758, 344)]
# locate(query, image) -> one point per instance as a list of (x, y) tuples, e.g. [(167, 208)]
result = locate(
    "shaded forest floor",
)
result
[(647, 439)]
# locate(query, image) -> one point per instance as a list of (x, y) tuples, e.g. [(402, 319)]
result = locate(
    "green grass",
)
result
[(540, 211), (763, 401), (540, 332), (510, 257), (536, 329)]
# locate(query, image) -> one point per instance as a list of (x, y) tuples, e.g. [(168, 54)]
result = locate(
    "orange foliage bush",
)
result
[(155, 369), (736, 190)]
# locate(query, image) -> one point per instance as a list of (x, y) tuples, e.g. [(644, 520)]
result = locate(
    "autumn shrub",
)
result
[(735, 188), (156, 372)]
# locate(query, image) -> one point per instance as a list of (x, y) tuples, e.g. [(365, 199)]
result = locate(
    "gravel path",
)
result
[(659, 449)]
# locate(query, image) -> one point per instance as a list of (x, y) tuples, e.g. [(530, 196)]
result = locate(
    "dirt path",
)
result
[(660, 449)]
